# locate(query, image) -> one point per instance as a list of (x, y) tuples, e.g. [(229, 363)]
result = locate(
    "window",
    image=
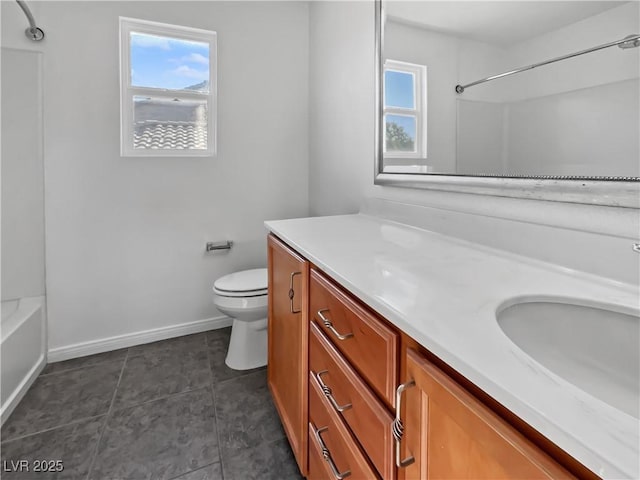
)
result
[(167, 90), (405, 119)]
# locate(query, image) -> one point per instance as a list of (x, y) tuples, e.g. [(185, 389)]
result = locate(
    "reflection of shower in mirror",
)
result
[(576, 117)]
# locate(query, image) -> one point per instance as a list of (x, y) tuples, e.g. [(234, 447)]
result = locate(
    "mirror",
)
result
[(534, 98)]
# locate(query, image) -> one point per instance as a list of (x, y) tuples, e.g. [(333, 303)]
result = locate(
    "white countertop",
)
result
[(444, 292)]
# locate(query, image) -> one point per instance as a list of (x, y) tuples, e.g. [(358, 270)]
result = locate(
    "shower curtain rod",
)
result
[(630, 41), (33, 32)]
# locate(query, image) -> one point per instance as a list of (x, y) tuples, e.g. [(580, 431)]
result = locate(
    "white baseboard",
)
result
[(136, 338), (12, 402)]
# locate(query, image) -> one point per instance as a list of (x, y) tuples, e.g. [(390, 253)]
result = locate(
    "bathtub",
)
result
[(23, 337)]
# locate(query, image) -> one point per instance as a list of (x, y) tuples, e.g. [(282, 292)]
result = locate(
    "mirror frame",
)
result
[(608, 191)]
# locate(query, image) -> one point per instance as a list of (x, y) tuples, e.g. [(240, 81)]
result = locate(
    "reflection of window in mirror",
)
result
[(405, 113)]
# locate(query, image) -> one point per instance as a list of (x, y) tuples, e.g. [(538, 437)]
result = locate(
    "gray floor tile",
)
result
[(218, 344), (160, 373), (57, 367), (187, 343), (245, 413), (55, 400), (73, 445), (159, 440), (212, 472), (270, 461)]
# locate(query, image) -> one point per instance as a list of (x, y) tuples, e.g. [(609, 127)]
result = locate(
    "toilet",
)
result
[(243, 297)]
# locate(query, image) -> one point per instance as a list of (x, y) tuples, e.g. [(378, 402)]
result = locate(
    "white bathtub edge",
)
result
[(136, 338), (12, 402), (26, 309)]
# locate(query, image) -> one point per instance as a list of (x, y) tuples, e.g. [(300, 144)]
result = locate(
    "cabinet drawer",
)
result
[(327, 430), (368, 344), (317, 469), (358, 407)]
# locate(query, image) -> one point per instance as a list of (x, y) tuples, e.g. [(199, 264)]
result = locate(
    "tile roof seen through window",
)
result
[(169, 124)]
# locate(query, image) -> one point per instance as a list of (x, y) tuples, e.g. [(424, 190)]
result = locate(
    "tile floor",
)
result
[(162, 411)]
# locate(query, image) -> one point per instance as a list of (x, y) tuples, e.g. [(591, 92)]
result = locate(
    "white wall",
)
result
[(590, 238), (125, 237), (340, 105), (22, 175), (408, 44), (449, 59)]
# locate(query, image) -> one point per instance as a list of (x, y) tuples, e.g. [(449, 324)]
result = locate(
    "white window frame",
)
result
[(128, 91), (419, 110)]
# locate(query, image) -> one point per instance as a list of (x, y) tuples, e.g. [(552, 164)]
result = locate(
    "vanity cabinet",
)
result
[(449, 434), (287, 366), (329, 349)]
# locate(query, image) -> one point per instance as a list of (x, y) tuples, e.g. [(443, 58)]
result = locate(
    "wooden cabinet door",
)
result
[(451, 435), (288, 327)]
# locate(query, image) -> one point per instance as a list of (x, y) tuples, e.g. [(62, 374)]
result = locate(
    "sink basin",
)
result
[(594, 348)]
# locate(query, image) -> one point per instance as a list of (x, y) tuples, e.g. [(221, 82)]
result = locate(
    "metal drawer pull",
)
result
[(292, 293), (327, 454), (329, 394), (327, 323), (398, 427)]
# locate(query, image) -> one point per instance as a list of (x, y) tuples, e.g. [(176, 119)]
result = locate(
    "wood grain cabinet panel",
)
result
[(362, 412), (318, 470), (327, 430), (288, 334), (370, 346), (451, 435)]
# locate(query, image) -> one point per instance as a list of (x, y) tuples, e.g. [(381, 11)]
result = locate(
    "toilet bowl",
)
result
[(243, 297)]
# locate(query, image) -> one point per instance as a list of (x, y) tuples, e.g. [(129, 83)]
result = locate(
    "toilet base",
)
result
[(248, 345)]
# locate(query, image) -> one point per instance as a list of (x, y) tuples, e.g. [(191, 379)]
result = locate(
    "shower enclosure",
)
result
[(23, 327)]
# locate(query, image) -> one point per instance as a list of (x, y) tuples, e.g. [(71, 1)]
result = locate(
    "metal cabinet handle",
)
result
[(398, 427), (327, 323), (329, 394), (292, 293), (327, 454)]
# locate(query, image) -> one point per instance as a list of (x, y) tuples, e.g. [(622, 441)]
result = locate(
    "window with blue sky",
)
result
[(168, 89), (404, 109), (168, 63)]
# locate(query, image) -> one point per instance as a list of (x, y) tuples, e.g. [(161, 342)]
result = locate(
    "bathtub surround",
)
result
[(22, 175), (126, 236), (23, 329), (23, 349)]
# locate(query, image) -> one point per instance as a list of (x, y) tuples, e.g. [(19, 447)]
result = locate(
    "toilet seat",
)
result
[(243, 297), (247, 283)]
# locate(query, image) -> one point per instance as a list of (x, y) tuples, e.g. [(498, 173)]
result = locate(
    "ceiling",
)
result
[(497, 22)]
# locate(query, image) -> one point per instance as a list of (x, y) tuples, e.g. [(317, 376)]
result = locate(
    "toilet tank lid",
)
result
[(244, 281)]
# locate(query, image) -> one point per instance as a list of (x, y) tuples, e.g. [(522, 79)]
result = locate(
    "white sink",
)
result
[(594, 348)]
